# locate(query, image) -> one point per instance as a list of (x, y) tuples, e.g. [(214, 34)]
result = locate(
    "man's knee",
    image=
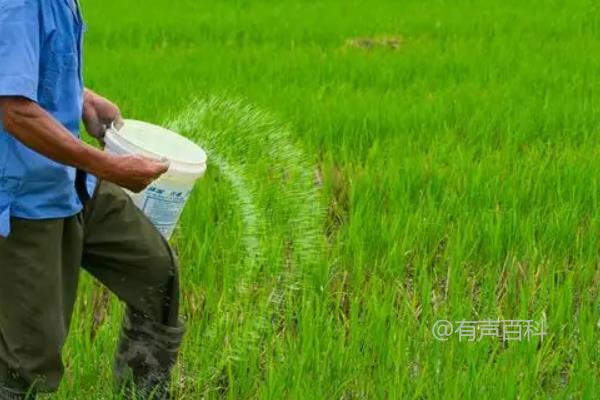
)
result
[(160, 301), (163, 269)]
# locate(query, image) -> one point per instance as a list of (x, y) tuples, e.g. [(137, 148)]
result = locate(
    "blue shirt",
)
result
[(40, 59)]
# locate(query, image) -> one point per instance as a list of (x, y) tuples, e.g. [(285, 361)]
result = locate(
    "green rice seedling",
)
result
[(455, 151)]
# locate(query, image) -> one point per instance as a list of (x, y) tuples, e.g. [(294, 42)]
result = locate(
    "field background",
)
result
[(455, 151)]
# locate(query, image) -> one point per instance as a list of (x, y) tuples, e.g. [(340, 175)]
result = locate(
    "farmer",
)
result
[(61, 206)]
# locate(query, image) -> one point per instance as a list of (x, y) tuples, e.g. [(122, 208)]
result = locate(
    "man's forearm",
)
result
[(36, 129)]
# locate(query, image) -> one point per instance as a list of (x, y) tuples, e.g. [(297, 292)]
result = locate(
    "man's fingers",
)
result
[(118, 121), (163, 166), (157, 166), (93, 127)]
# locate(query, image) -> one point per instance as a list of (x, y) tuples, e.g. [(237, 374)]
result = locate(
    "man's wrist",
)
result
[(98, 162)]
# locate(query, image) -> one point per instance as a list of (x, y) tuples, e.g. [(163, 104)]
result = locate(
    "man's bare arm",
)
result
[(38, 130)]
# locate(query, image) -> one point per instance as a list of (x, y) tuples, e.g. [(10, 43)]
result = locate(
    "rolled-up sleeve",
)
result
[(19, 48)]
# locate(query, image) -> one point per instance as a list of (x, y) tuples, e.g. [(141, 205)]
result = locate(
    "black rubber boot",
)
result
[(146, 355), (7, 394)]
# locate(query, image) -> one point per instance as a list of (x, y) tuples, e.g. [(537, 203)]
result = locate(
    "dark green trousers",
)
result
[(39, 269)]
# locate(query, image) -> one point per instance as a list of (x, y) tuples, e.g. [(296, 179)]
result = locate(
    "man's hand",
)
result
[(134, 172), (38, 130), (98, 114)]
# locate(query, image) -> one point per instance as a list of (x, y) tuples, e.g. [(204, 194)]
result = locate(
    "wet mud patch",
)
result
[(386, 42)]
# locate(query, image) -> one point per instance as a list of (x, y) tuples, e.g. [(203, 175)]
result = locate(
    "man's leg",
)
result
[(127, 254), (39, 268)]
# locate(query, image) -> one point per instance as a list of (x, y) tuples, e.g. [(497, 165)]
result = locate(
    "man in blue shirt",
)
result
[(61, 206)]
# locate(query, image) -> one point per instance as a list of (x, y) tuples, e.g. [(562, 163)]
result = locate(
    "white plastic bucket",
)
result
[(163, 201)]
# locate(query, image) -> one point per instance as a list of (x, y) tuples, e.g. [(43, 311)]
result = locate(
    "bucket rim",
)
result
[(180, 166)]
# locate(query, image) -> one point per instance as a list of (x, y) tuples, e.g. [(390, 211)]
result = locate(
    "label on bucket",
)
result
[(163, 207)]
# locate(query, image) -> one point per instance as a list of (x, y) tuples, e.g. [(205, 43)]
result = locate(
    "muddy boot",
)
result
[(146, 355), (7, 394)]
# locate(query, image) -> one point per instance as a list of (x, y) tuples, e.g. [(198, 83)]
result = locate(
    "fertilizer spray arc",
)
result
[(235, 134)]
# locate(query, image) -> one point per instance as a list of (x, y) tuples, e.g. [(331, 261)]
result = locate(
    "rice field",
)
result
[(374, 167)]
